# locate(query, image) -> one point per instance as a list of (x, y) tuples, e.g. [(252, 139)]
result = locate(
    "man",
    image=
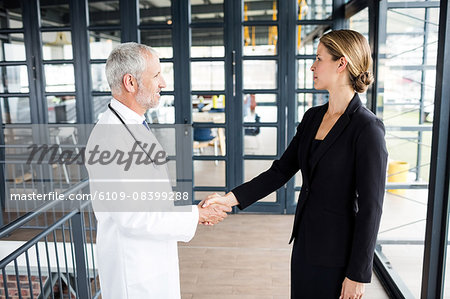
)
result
[(137, 253)]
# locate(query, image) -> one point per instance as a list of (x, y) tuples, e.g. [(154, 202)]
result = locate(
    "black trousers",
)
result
[(310, 281)]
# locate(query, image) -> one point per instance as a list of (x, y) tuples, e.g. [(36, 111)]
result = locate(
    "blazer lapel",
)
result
[(335, 132), (309, 136)]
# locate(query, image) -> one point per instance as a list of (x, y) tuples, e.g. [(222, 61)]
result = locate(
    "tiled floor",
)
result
[(246, 256)]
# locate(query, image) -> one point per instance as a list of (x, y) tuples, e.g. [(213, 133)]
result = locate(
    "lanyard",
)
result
[(129, 131)]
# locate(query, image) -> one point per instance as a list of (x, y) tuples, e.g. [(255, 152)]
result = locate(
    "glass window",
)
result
[(260, 141), (164, 113), (15, 110), (160, 40), (208, 75), (208, 108), (207, 42), (104, 12), (167, 73), (101, 43), (260, 40), (360, 22), (57, 45), (209, 173), (12, 47), (305, 76), (61, 109), (11, 16), (100, 104), (308, 38), (314, 10), (252, 168), (55, 13), (99, 82), (406, 99), (14, 79), (260, 74), (59, 77), (255, 10), (155, 12), (209, 141), (212, 11), (260, 108)]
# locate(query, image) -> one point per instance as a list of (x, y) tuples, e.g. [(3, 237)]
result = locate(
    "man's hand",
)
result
[(212, 214), (228, 200), (352, 289)]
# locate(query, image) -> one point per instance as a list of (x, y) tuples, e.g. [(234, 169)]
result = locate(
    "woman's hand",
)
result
[(352, 289), (228, 200)]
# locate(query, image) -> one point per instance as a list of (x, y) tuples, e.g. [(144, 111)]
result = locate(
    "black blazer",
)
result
[(342, 194)]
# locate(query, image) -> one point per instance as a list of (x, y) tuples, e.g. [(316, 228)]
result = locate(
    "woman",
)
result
[(340, 149)]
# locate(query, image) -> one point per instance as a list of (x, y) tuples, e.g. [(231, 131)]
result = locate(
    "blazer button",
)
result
[(306, 190)]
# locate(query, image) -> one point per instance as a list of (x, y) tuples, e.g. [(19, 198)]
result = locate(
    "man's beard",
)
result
[(144, 97)]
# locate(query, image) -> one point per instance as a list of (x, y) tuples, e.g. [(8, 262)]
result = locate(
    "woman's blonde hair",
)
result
[(354, 47)]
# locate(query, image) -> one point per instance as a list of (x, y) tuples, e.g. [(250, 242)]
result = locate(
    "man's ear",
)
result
[(342, 64), (129, 83)]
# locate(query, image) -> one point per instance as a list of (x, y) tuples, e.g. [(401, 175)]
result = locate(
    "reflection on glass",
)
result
[(155, 12), (260, 40), (209, 173), (207, 12), (208, 75), (11, 16), (259, 108), (100, 105), (255, 10), (59, 77), (164, 113), (61, 109), (314, 10), (209, 141), (15, 110), (13, 79), (12, 47), (99, 82), (260, 141), (308, 38), (252, 168), (305, 76), (56, 45), (160, 40), (207, 42), (102, 43), (104, 12), (167, 73), (260, 74), (55, 13)]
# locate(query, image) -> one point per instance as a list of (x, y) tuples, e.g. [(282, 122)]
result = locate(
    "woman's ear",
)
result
[(342, 64)]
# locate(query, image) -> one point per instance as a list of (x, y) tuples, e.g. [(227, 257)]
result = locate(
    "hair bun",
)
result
[(363, 81)]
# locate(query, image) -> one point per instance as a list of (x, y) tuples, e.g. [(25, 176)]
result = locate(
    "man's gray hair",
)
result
[(126, 58)]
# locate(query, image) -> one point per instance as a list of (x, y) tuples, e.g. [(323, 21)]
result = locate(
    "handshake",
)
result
[(214, 208)]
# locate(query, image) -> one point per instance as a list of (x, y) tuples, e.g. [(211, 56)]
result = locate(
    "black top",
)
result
[(313, 148), (343, 187)]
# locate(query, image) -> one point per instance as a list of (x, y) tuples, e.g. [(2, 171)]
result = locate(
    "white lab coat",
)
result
[(137, 255)]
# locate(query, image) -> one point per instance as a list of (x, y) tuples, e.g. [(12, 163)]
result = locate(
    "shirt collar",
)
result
[(129, 116)]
